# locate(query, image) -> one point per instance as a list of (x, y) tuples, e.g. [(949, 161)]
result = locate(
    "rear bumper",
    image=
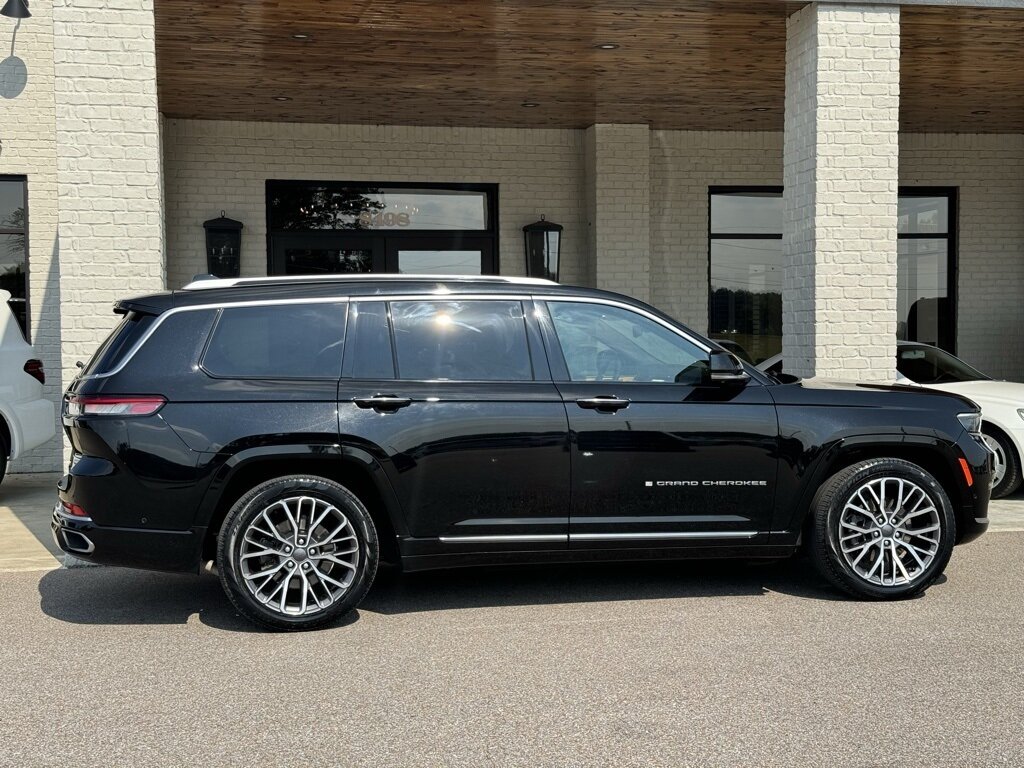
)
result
[(35, 422), (128, 547)]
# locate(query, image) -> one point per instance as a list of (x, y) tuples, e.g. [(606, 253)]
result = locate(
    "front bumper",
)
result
[(972, 520), (128, 547)]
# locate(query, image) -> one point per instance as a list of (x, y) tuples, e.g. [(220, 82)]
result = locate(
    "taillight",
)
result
[(114, 405), (34, 368), (73, 509)]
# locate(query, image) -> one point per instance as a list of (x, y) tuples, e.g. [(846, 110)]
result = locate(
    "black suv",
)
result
[(297, 430)]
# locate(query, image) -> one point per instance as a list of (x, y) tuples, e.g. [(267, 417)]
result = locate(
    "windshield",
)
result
[(923, 364)]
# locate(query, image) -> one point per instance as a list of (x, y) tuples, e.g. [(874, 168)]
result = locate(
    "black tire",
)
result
[(827, 509), (1010, 481), (251, 506)]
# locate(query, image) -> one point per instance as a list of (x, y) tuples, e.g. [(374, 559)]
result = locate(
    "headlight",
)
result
[(971, 421)]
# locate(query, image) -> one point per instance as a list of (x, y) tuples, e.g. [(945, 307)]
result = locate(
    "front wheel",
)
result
[(297, 552), (883, 529), (1005, 464)]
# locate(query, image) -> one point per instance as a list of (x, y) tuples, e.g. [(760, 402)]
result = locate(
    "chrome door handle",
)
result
[(382, 403), (606, 403)]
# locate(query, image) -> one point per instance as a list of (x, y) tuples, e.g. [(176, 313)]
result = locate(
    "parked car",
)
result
[(297, 430), (1002, 403), (27, 419)]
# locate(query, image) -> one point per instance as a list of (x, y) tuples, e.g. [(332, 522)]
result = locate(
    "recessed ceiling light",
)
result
[(760, 109), (607, 46), (300, 36), (282, 98), (980, 112), (529, 104)]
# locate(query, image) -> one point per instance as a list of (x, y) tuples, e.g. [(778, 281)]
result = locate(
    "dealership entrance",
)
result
[(339, 227)]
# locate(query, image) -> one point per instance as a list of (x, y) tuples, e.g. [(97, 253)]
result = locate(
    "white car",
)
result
[(26, 418), (1001, 402)]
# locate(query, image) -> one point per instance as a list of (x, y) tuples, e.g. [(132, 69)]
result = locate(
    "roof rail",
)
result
[(205, 283)]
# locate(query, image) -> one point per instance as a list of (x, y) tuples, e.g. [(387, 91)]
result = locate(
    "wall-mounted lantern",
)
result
[(15, 9), (543, 240), (223, 246)]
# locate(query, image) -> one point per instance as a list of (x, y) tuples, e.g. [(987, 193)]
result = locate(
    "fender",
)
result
[(789, 517), (225, 470)]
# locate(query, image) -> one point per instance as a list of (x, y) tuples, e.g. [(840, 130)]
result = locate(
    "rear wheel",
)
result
[(883, 529), (1006, 475), (297, 552)]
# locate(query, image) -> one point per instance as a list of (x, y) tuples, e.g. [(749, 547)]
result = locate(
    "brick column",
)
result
[(618, 182), (109, 187), (841, 154)]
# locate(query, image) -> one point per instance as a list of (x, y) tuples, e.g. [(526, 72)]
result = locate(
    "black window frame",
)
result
[(948, 322), (391, 240), (24, 230)]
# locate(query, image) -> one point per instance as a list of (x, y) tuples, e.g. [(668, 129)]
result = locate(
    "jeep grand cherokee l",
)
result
[(295, 431)]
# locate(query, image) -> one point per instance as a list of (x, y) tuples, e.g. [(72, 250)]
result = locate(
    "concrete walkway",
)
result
[(26, 503)]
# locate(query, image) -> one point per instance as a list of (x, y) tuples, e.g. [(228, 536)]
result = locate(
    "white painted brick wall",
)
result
[(108, 164), (619, 187), (840, 158), (29, 149), (215, 165)]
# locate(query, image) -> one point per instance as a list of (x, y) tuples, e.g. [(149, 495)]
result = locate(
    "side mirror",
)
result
[(726, 368)]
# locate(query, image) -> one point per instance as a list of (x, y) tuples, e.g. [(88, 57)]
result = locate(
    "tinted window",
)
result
[(605, 343), (369, 342), (930, 365), (461, 340), (286, 341), (117, 344)]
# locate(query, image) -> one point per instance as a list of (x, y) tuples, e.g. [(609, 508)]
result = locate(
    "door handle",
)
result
[(382, 403), (603, 403)]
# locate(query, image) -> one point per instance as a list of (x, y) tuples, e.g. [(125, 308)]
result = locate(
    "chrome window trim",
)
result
[(630, 308)]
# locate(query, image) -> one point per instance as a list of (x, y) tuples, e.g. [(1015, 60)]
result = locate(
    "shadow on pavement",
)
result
[(123, 596)]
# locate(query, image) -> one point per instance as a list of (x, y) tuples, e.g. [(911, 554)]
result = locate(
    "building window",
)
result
[(14, 246), (321, 227), (745, 305), (745, 271), (926, 264)]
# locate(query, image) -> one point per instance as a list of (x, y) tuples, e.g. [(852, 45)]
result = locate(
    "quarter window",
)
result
[(14, 246), (286, 341), (461, 341), (606, 343)]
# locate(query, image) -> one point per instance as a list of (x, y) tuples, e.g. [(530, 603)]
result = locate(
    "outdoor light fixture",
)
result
[(607, 46), (760, 109), (300, 37), (223, 246), (15, 9), (543, 240), (529, 104), (282, 98)]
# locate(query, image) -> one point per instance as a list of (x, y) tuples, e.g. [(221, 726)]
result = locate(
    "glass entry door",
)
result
[(326, 254)]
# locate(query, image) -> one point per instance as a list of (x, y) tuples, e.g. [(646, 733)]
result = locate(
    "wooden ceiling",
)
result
[(680, 64)]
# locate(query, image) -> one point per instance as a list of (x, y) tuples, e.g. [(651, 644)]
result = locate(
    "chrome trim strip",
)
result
[(653, 535), (526, 538), (231, 282)]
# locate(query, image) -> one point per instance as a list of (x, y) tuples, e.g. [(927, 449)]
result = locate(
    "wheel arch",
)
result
[(930, 454), (8, 434), (353, 468)]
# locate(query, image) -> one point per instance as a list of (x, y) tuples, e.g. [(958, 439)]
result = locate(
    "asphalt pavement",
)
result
[(628, 664)]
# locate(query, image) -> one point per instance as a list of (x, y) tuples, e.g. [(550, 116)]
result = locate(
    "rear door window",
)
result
[(278, 341), (483, 340)]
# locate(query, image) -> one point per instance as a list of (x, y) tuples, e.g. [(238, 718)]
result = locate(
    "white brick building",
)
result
[(863, 163)]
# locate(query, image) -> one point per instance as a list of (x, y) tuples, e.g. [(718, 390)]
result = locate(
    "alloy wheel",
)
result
[(998, 461), (889, 531), (299, 555)]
